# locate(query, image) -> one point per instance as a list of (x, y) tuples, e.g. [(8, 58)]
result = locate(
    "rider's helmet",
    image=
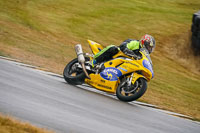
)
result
[(148, 42)]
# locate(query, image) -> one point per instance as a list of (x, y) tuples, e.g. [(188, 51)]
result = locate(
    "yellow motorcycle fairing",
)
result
[(130, 65), (98, 82), (95, 47), (121, 64)]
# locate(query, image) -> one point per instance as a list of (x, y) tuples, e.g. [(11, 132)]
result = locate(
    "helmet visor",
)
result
[(149, 46)]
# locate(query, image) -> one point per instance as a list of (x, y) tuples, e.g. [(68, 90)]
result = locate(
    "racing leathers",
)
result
[(129, 47)]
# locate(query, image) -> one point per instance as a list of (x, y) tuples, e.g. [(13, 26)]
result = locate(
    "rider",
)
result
[(128, 47)]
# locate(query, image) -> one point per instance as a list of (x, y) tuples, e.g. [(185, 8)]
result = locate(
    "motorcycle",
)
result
[(123, 75)]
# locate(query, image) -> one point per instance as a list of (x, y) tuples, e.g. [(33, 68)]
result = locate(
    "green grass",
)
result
[(3, 54), (43, 33)]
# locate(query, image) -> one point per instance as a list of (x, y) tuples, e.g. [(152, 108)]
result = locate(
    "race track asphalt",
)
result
[(47, 101)]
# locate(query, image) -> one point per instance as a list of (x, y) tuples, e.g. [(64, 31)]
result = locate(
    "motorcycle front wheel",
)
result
[(135, 91), (72, 74)]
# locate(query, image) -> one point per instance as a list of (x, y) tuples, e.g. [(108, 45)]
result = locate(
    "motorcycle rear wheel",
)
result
[(72, 75), (131, 96)]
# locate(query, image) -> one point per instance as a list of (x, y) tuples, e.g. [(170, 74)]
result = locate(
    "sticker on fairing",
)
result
[(147, 65), (121, 68), (111, 73)]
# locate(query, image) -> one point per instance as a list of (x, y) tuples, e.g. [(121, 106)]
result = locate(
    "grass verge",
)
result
[(10, 125)]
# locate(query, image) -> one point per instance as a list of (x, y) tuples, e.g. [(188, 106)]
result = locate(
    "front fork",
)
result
[(129, 80), (131, 83)]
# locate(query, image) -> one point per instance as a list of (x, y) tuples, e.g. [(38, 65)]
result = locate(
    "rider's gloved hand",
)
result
[(130, 53)]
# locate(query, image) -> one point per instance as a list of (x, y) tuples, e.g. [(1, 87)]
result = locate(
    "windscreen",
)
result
[(146, 53)]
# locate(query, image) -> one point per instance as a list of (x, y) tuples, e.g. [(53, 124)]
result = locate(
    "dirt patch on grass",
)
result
[(178, 48)]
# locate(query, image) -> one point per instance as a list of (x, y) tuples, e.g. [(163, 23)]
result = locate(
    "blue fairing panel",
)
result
[(148, 65), (111, 73)]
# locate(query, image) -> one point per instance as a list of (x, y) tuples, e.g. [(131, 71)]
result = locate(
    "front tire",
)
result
[(72, 74), (128, 95)]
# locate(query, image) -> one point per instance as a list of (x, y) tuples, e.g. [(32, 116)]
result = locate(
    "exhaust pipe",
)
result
[(81, 58)]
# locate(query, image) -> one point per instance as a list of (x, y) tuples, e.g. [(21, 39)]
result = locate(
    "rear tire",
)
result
[(128, 97), (79, 76)]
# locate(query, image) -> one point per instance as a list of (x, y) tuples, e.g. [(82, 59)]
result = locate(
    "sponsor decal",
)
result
[(124, 66), (107, 87), (122, 69), (147, 65), (111, 73), (90, 82), (92, 42), (131, 63), (103, 81)]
